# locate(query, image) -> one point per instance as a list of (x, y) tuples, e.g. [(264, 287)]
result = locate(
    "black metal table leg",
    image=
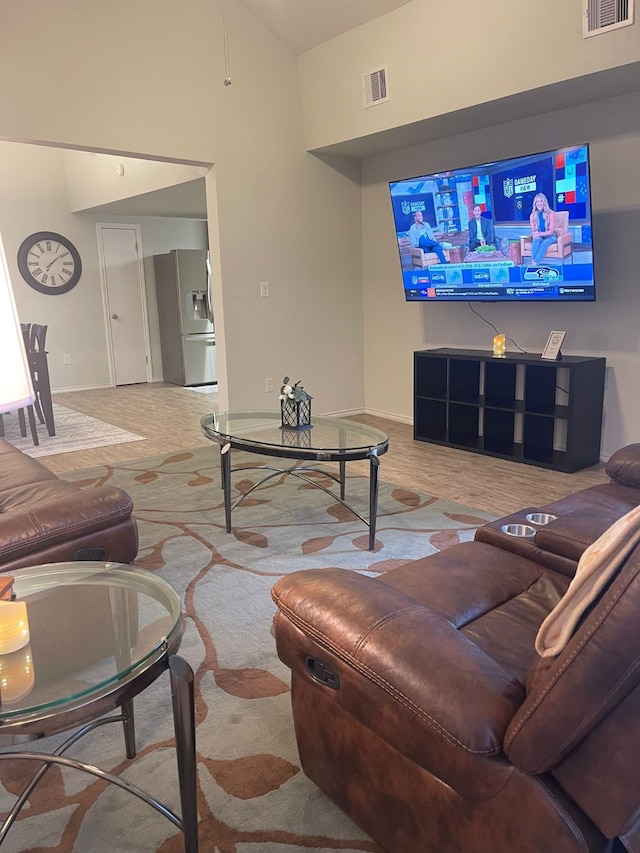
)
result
[(374, 482), (343, 467), (225, 464), (182, 694), (128, 724)]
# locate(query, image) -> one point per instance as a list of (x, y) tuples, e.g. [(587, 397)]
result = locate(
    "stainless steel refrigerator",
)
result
[(187, 333)]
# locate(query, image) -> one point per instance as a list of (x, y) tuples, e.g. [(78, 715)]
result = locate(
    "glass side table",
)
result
[(81, 640)]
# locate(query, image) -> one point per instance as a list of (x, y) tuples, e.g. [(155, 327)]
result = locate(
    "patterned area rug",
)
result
[(253, 797), (74, 431)]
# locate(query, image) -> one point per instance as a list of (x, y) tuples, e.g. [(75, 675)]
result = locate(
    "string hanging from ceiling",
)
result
[(225, 40)]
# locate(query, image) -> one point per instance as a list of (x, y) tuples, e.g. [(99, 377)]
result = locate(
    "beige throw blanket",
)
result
[(598, 564)]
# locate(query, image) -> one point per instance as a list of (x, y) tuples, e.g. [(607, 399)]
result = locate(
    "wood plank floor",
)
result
[(169, 418)]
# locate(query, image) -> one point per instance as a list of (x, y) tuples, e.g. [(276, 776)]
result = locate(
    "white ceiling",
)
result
[(303, 24), (180, 201)]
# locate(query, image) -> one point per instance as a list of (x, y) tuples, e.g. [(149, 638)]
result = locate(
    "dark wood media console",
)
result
[(518, 407)]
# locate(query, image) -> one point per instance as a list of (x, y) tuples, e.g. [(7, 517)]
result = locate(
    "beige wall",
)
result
[(444, 58), (147, 78), (34, 198), (94, 179), (609, 327)]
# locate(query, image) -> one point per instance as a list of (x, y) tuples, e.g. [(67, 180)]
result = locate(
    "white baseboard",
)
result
[(80, 388), (387, 415), (402, 419), (345, 413)]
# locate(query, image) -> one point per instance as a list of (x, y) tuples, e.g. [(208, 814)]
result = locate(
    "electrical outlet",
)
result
[(268, 385), (264, 288), (67, 358)]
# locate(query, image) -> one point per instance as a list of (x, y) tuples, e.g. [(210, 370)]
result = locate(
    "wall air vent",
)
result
[(600, 16), (374, 87)]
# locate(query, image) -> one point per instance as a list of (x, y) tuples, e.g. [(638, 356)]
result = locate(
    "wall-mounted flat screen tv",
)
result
[(516, 230)]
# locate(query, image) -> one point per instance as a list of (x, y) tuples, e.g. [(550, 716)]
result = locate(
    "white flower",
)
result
[(282, 397), (288, 390)]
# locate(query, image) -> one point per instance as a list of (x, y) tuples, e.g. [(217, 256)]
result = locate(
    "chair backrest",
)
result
[(562, 222), (26, 334), (579, 720), (37, 337)]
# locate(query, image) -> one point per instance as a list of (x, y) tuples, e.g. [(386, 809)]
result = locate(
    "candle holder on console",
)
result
[(295, 406)]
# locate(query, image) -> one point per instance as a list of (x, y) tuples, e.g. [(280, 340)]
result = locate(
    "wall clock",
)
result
[(49, 262)]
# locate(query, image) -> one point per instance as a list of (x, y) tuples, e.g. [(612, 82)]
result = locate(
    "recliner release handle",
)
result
[(321, 672)]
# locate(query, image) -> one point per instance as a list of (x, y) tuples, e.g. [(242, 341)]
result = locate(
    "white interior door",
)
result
[(125, 302)]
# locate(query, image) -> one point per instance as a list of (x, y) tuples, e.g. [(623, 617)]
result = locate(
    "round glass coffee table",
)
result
[(327, 440), (78, 641)]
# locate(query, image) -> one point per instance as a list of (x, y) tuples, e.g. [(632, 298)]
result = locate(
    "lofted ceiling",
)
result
[(303, 24), (300, 25)]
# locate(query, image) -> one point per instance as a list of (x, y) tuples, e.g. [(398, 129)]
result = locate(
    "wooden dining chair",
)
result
[(38, 362)]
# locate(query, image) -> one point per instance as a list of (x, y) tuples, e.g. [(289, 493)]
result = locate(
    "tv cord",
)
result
[(494, 328)]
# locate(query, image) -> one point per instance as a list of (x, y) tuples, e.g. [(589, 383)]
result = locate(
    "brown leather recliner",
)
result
[(44, 519), (422, 709), (575, 521)]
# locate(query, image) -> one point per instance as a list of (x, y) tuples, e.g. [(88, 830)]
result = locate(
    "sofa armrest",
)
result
[(624, 466), (36, 525), (571, 534), (404, 672)]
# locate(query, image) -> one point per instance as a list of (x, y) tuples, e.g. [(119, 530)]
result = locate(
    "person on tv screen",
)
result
[(480, 230), (543, 224), (421, 236)]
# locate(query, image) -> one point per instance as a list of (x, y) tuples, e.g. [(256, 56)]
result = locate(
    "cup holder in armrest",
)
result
[(541, 518), (523, 531)]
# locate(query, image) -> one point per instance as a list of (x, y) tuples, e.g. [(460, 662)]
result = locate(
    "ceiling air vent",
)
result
[(374, 87), (600, 16)]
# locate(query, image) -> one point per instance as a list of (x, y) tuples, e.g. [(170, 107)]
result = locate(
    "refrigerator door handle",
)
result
[(202, 337), (208, 300)]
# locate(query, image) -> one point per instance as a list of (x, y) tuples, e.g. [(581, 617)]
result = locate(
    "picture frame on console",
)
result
[(551, 351)]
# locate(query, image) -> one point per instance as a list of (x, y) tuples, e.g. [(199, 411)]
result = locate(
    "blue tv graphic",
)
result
[(498, 281)]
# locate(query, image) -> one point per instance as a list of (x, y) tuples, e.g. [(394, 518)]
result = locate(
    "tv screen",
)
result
[(510, 231)]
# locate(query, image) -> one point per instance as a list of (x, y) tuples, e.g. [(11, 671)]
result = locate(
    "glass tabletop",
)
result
[(262, 432), (74, 631)]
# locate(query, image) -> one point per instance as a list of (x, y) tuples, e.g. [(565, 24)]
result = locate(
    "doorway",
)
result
[(125, 302)]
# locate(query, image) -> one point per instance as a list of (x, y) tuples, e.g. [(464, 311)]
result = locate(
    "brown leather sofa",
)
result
[(576, 520), (423, 710), (46, 520)]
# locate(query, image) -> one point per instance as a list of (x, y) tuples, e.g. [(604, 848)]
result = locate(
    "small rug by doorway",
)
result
[(253, 796), (74, 431)]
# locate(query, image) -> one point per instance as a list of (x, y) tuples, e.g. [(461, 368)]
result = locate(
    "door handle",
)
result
[(114, 316)]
